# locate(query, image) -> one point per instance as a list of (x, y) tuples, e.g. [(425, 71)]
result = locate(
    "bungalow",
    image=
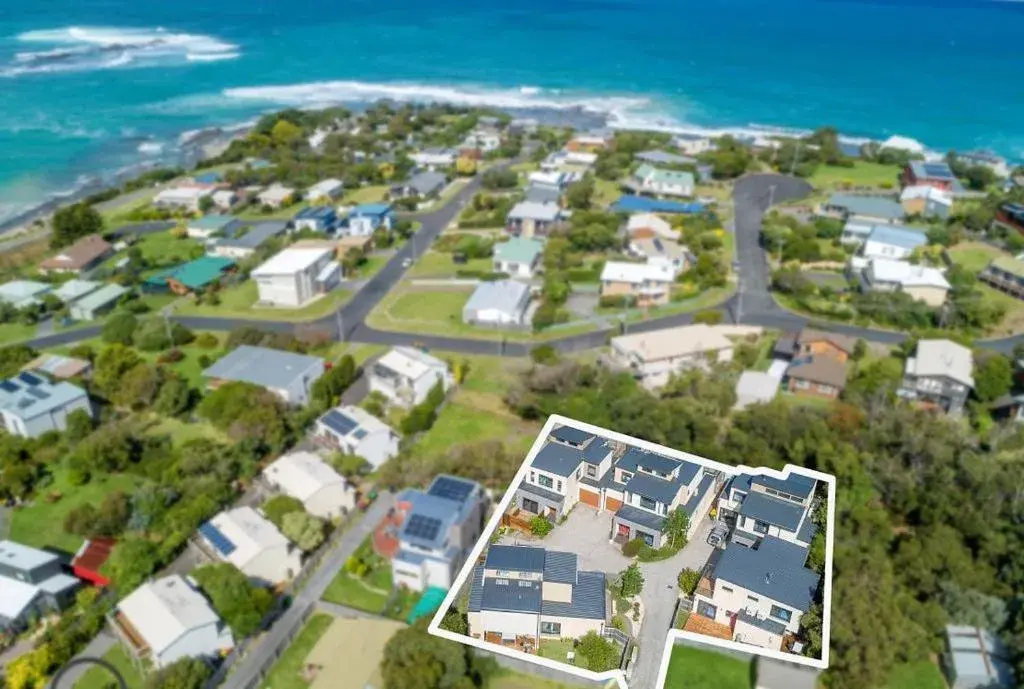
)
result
[(758, 595), (926, 201), (522, 594), (439, 528), (920, 282), (648, 226), (939, 376), (190, 277), (276, 196), (664, 158), (933, 174), (1006, 274), (644, 284), (365, 219), (518, 257), (405, 376), (756, 507), (31, 405), (22, 293), (541, 194), (498, 303), (869, 209), (529, 219), (893, 241), (553, 179), (354, 431), (654, 356), (422, 185), (657, 251), (184, 197), (811, 342), (79, 258), (316, 219), (243, 245), (693, 144), (97, 303), (288, 375), (167, 619), (434, 158), (244, 538), (816, 376), (306, 477), (32, 583), (75, 289), (224, 199), (652, 180), (325, 191), (212, 226)]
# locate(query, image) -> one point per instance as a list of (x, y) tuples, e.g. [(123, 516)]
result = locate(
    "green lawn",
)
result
[(160, 249), (974, 256), (705, 300), (699, 669), (40, 524), (100, 678), (516, 680), (862, 174), (285, 673), (922, 674), (238, 301), (359, 352), (370, 194), (440, 264), (255, 212), (472, 417), (182, 432), (16, 332), (371, 266), (606, 192), (347, 590), (556, 649)]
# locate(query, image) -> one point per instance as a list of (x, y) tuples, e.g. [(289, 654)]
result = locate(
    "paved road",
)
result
[(247, 670)]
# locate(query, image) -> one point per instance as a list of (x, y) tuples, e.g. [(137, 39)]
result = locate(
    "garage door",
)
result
[(612, 505), (590, 498)]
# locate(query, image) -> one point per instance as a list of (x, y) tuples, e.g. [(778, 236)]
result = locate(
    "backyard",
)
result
[(100, 678), (365, 584), (440, 264), (699, 669), (286, 672)]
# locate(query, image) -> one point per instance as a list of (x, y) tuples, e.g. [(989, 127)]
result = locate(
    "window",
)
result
[(826, 389), (501, 582), (727, 589), (545, 481), (760, 527), (626, 476), (504, 573), (753, 599), (648, 504), (591, 470), (579, 472), (531, 506), (551, 628), (781, 613), (533, 477), (559, 486), (706, 610), (801, 384), (524, 584)]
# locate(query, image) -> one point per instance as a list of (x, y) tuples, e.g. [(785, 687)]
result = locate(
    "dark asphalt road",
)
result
[(752, 304)]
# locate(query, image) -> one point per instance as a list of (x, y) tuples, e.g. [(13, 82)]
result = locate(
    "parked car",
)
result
[(406, 263), (719, 535)]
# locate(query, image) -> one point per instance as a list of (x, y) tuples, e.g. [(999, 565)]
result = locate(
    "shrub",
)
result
[(708, 316), (632, 548), (688, 580), (615, 301), (173, 356), (207, 341), (540, 526)]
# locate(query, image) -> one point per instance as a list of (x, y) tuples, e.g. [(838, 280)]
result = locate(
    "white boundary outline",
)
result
[(618, 675)]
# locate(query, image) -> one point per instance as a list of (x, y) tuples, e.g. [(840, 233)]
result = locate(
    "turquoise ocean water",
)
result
[(84, 84)]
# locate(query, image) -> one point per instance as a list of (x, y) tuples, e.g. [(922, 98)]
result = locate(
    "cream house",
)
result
[(654, 356), (648, 284), (306, 477)]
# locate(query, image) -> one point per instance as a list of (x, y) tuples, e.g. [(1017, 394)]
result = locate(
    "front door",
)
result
[(624, 530)]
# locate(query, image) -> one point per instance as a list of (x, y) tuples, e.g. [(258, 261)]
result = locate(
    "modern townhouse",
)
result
[(439, 528), (644, 284), (521, 595), (405, 376), (654, 356), (939, 376), (306, 477), (246, 539), (759, 506), (554, 483), (356, 431), (32, 583), (660, 182)]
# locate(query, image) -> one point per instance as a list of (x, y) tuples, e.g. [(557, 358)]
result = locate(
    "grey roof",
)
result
[(269, 368), (794, 484), (636, 458), (978, 658), (641, 517), (425, 182), (807, 530), (23, 557), (100, 298), (762, 623), (430, 507), (540, 492), (653, 487), (27, 396), (902, 236), (776, 570), (596, 451), (588, 599), (539, 193), (707, 483), (507, 296), (774, 511), (476, 590), (519, 558), (557, 459), (257, 234), (568, 434), (560, 567), (868, 206), (511, 595), (528, 210), (664, 158)]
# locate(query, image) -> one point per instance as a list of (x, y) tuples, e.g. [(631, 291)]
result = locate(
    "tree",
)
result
[(284, 133), (304, 530), (600, 653), (139, 387), (455, 621), (677, 523), (132, 561), (239, 602), (14, 357), (246, 411), (79, 426), (540, 527), (993, 376), (327, 390), (280, 506), (74, 222), (860, 348), (350, 466), (120, 329), (175, 397), (579, 195), (630, 581), (184, 673), (414, 659), (688, 580), (544, 354)]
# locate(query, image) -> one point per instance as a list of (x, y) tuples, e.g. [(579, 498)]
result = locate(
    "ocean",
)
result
[(88, 87)]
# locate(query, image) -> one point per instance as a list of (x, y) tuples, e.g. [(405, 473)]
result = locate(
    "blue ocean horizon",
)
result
[(86, 84)]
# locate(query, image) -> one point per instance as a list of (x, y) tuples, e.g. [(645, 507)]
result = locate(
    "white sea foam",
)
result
[(151, 148), (78, 48)]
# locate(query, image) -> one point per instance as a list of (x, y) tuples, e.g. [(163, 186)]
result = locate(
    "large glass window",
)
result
[(551, 628), (706, 610), (531, 506), (760, 527), (545, 481), (648, 504), (781, 613), (591, 470)]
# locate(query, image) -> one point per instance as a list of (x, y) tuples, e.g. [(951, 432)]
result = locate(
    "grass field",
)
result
[(16, 332), (370, 194), (182, 432), (974, 256), (1013, 321), (440, 264), (516, 680), (238, 301), (371, 266), (862, 174), (255, 212), (606, 192), (100, 678), (285, 674), (705, 300), (698, 669), (40, 524), (922, 674), (345, 589), (556, 649), (160, 249)]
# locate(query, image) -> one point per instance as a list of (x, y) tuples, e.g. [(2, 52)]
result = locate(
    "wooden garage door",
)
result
[(612, 505), (590, 498)]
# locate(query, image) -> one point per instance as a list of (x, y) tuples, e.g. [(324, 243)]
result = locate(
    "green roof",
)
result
[(518, 250), (1008, 264), (656, 174), (194, 274)]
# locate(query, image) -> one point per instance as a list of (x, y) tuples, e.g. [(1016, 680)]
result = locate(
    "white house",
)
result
[(184, 197), (406, 376), (646, 283), (498, 303), (295, 276), (324, 191), (522, 595), (439, 528), (212, 226), (641, 225), (552, 178), (355, 431), (893, 241), (652, 180), (927, 201), (483, 139), (224, 199), (661, 252), (167, 619), (306, 477), (250, 542), (31, 405), (275, 196), (570, 460), (693, 144), (654, 356), (434, 158), (923, 283), (519, 257), (288, 375)]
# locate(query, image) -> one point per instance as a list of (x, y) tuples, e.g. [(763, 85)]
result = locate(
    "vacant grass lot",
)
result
[(440, 264), (286, 672), (698, 669), (974, 256), (16, 332), (239, 301), (862, 174), (370, 194)]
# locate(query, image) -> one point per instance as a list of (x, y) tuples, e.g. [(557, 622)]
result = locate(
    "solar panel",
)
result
[(38, 394), (339, 423), (218, 540), (360, 433), (8, 386), (657, 245), (30, 379), (448, 489), (426, 528), (936, 170)]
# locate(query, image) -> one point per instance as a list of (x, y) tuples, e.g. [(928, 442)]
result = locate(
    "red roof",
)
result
[(90, 558)]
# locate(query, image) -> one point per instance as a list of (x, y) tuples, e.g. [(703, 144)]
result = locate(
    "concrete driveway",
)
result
[(586, 533)]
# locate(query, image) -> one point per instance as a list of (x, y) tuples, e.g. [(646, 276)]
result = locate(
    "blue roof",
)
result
[(518, 558), (588, 599), (653, 487), (794, 484), (377, 209), (898, 235), (452, 488), (641, 204), (217, 539), (774, 511), (476, 591), (807, 530), (560, 460), (707, 483), (208, 178), (636, 458), (559, 567), (316, 213), (644, 518), (568, 434), (776, 570), (596, 451), (740, 482), (511, 595), (430, 517)]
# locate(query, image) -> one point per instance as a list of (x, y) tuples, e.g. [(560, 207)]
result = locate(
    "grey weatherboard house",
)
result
[(32, 582), (288, 375)]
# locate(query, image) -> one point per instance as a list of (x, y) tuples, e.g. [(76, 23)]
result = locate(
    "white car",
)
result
[(406, 263)]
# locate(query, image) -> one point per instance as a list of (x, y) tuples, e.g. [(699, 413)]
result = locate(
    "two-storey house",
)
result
[(939, 376), (652, 357), (756, 507), (652, 180), (521, 595), (643, 284), (552, 485), (406, 375), (355, 431), (439, 529), (32, 583), (246, 539)]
